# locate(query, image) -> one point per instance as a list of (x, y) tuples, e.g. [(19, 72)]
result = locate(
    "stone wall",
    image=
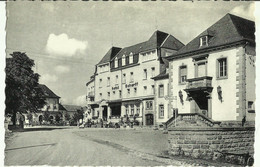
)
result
[(212, 142)]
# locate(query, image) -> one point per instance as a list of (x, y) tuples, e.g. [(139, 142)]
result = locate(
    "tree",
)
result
[(22, 91), (46, 116), (57, 117), (30, 117), (67, 116), (77, 116)]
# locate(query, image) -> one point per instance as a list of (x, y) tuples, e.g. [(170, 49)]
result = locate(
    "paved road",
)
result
[(61, 147)]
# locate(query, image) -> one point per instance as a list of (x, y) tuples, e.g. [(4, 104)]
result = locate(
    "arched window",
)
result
[(131, 58), (123, 60), (116, 62)]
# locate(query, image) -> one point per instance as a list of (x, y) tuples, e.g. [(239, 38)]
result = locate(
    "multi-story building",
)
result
[(214, 74), (123, 84)]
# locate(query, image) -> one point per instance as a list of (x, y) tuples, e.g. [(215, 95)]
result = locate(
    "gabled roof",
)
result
[(47, 92), (72, 108), (61, 108), (157, 40), (109, 55), (227, 30)]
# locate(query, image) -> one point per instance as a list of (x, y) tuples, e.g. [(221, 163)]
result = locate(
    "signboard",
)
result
[(115, 87), (131, 85)]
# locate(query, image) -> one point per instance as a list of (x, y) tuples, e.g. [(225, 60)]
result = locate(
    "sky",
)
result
[(67, 39)]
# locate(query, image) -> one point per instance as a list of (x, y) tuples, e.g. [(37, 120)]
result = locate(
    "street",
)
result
[(70, 146)]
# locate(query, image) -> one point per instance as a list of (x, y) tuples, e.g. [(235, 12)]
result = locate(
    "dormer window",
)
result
[(131, 58), (204, 41), (116, 62), (123, 60)]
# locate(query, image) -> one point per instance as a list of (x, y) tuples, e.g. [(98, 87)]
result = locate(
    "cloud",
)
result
[(245, 11), (80, 100), (47, 78), (62, 45), (62, 69)]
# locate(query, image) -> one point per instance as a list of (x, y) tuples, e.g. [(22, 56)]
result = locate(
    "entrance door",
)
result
[(201, 105), (149, 119), (105, 113), (40, 119)]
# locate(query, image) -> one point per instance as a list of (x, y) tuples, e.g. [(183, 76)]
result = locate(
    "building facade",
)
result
[(162, 98), (52, 106), (123, 84), (214, 74)]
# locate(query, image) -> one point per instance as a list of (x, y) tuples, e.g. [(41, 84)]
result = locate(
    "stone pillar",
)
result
[(100, 111), (108, 112), (210, 107), (123, 110), (143, 113)]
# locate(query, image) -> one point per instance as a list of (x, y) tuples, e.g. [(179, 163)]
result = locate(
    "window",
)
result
[(131, 58), (128, 91), (161, 91), (250, 107), (204, 41), (108, 94), (124, 78), (116, 79), (100, 83), (131, 77), (116, 63), (145, 73), (108, 81), (123, 60), (183, 74), (135, 90), (114, 92), (149, 105), (161, 111), (100, 95), (145, 90), (132, 109), (222, 67), (120, 93), (153, 71), (138, 109), (126, 110), (153, 91)]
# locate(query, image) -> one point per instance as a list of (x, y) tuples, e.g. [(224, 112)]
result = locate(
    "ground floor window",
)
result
[(149, 105), (126, 110), (161, 111), (138, 109), (132, 109)]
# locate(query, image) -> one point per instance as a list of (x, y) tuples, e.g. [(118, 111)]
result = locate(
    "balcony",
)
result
[(199, 83)]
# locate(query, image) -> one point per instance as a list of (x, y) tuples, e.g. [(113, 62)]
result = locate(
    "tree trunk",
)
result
[(14, 118)]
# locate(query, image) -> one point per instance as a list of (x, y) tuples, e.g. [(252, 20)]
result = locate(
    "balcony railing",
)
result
[(199, 82)]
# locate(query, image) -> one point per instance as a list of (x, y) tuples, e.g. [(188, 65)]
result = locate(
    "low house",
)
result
[(51, 112)]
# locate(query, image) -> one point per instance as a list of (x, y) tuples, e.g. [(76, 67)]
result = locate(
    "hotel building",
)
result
[(123, 83), (214, 74)]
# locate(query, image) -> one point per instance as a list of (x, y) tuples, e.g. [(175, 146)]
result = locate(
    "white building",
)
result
[(214, 74), (123, 84)]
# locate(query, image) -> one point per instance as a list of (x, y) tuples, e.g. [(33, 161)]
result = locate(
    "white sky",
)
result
[(66, 39)]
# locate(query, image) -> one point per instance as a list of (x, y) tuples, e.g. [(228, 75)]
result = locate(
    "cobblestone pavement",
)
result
[(59, 147), (73, 146)]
